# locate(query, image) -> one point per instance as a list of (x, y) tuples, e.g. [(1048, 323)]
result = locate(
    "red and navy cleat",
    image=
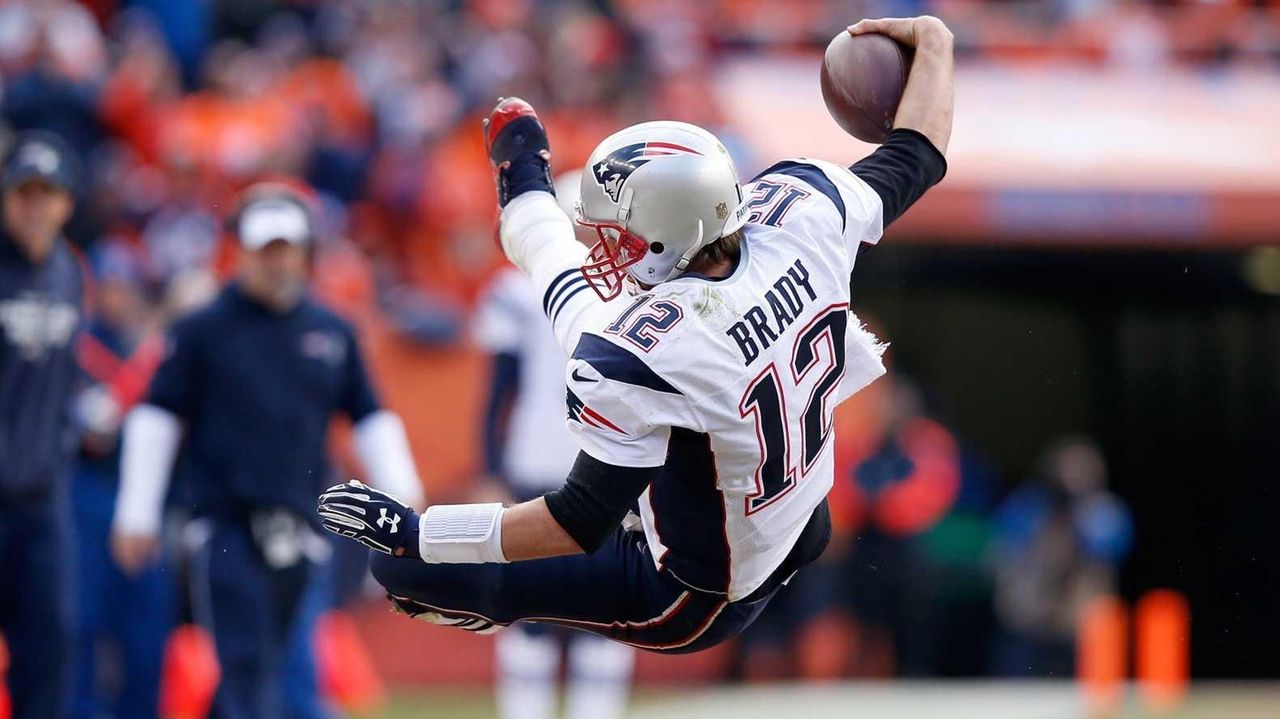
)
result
[(516, 143)]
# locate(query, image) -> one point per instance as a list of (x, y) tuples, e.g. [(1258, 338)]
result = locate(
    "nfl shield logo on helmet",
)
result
[(612, 172)]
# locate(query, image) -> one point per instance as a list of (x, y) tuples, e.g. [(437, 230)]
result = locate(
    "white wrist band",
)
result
[(461, 534)]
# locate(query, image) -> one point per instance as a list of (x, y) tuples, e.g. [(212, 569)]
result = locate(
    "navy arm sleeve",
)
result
[(596, 497), (359, 399), (504, 384), (901, 170), (176, 382)]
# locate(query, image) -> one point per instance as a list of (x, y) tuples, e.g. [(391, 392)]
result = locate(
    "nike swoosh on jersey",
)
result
[(579, 378)]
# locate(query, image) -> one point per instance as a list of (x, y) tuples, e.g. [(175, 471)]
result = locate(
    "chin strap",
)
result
[(683, 263), (624, 206)]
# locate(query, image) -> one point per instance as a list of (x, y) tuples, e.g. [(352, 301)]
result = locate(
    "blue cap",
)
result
[(40, 155), (115, 260)]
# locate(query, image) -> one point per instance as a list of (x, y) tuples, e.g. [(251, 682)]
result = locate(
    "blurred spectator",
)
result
[(373, 101), (185, 25), (41, 316), (143, 85), (1058, 543), (898, 474), (52, 55), (528, 452), (956, 563), (123, 621), (182, 232)]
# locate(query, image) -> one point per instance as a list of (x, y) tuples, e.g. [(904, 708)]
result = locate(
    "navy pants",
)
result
[(616, 592), (251, 610), (302, 696), (36, 605), (131, 614)]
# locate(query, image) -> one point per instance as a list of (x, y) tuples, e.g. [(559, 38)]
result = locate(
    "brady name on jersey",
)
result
[(784, 302)]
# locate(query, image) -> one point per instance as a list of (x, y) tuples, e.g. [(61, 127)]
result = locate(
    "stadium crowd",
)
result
[(173, 106)]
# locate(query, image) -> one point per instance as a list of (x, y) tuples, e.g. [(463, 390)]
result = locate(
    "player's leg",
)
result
[(230, 600), (528, 659), (599, 679), (290, 585), (301, 683), (144, 622), (249, 609), (95, 603), (39, 624), (615, 591)]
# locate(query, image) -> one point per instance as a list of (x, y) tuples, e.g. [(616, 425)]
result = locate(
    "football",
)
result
[(862, 81)]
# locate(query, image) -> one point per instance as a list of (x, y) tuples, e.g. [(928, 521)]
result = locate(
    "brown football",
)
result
[(862, 81)]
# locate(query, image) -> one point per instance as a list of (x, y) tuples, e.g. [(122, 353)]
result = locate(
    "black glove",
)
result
[(370, 516), (516, 143)]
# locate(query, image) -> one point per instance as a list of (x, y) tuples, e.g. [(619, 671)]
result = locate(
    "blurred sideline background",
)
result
[(1084, 384)]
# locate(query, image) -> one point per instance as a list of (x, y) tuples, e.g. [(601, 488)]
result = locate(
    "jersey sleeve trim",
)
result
[(813, 176), (617, 364), (557, 285), (560, 303)]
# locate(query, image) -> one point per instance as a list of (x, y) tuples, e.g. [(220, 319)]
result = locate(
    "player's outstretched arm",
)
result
[(529, 531), (531, 222), (911, 159), (577, 517), (928, 101), (534, 233)]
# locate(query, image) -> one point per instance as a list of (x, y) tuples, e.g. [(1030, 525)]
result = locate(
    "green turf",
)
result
[(441, 705), (1213, 701)]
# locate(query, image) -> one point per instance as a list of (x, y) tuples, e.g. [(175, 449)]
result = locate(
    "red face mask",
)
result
[(607, 263)]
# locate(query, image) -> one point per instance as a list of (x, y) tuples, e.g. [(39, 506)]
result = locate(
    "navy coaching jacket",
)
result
[(256, 390), (41, 312)]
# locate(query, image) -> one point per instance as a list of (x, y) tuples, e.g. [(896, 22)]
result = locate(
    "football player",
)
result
[(710, 339)]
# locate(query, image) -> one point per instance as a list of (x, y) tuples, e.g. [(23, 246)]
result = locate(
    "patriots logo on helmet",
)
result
[(612, 172)]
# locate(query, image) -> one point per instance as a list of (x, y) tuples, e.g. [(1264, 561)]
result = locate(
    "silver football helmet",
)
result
[(655, 194)]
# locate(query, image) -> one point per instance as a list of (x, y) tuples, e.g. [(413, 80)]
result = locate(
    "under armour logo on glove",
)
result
[(349, 510), (393, 520)]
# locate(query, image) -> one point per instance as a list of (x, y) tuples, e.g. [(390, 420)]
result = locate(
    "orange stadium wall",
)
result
[(439, 394)]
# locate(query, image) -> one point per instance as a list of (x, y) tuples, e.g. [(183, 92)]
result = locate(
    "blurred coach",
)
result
[(41, 310), (251, 381)]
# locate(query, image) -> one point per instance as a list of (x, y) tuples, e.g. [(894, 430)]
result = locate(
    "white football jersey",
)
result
[(538, 452), (728, 384)]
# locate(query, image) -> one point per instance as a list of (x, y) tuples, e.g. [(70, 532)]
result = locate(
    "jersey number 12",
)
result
[(766, 398)]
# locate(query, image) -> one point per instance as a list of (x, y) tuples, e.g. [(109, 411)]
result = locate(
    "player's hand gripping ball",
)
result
[(863, 77), (378, 520)]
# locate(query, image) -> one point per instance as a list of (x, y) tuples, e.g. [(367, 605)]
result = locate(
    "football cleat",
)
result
[(516, 143), (416, 610)]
